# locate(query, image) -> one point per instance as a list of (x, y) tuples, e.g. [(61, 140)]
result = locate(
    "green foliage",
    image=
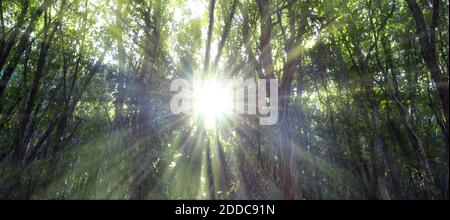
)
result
[(362, 118)]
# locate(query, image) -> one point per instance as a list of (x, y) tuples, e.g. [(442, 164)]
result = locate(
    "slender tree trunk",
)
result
[(264, 40), (6, 46), (412, 135), (225, 32), (246, 170), (428, 51), (143, 181), (18, 144), (21, 47), (212, 4), (120, 97)]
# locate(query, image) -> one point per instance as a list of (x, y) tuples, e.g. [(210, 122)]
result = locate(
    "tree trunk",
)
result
[(428, 51), (21, 47)]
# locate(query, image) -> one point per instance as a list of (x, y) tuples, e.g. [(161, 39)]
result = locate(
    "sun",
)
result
[(212, 102)]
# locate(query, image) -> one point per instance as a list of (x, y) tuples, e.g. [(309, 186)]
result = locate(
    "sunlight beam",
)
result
[(212, 102)]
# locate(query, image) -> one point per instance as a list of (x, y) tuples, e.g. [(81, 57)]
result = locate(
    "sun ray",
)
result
[(212, 102)]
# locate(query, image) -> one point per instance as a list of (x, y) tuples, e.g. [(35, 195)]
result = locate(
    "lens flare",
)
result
[(212, 102)]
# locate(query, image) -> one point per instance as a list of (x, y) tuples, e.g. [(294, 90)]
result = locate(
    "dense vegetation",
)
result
[(363, 99)]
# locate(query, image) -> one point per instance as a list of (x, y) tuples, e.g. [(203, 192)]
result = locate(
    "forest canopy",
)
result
[(362, 99)]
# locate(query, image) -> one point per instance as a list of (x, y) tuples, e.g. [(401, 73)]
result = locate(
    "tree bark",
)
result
[(120, 97), (428, 52), (23, 43), (18, 144), (212, 4)]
